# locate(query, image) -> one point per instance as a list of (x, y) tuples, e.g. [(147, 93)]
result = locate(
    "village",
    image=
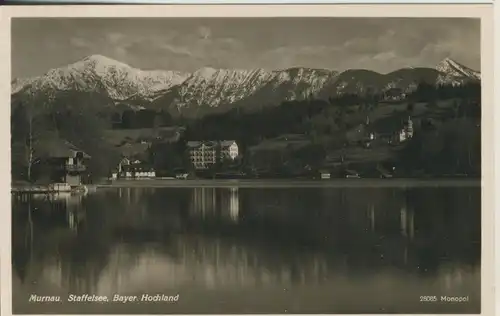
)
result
[(224, 159), (63, 166)]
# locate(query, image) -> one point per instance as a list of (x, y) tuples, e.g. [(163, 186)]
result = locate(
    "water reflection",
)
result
[(229, 239), (222, 202)]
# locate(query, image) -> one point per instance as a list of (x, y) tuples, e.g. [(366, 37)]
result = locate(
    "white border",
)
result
[(410, 10), (257, 2), (497, 155)]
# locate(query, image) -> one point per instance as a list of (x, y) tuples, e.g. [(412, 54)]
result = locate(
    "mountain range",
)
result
[(208, 90)]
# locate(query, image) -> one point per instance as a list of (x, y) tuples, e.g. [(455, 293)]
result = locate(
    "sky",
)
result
[(187, 44)]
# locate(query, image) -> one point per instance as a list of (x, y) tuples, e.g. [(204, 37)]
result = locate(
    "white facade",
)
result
[(136, 174), (229, 149), (205, 154), (202, 154), (133, 169), (402, 135), (407, 132)]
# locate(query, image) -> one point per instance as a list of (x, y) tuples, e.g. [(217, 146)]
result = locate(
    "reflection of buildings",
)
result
[(371, 217), (43, 227), (391, 215), (391, 225), (133, 196), (234, 204), (407, 222), (204, 201), (74, 211), (69, 204), (216, 202)]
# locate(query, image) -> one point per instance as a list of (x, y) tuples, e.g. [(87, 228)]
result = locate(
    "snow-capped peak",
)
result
[(119, 79), (104, 61), (205, 72), (451, 67), (211, 88)]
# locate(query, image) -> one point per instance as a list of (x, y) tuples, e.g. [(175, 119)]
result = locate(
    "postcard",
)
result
[(238, 159)]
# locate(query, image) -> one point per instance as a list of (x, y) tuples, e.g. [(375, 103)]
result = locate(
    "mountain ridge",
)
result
[(211, 89)]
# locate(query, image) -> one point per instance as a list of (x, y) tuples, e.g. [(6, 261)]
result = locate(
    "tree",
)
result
[(30, 144), (27, 129), (79, 124), (456, 108), (166, 118), (128, 119), (167, 157), (312, 155), (410, 107), (156, 125)]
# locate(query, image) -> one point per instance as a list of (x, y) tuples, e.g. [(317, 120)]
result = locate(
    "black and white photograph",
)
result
[(246, 165)]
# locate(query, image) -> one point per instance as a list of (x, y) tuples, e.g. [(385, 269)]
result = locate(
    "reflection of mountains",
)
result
[(134, 239)]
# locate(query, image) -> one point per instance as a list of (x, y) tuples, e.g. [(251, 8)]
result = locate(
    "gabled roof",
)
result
[(194, 143), (210, 143), (227, 143), (58, 148)]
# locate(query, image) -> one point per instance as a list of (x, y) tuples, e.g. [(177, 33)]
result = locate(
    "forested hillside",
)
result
[(303, 133)]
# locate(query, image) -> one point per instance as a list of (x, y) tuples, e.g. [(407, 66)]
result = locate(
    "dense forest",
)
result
[(447, 141), (73, 116)]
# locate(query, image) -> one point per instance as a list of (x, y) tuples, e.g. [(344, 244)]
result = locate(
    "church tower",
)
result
[(409, 129)]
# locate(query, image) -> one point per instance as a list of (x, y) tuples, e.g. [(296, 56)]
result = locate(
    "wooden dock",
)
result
[(47, 189)]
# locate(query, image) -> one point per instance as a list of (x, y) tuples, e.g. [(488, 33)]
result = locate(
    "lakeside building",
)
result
[(133, 169), (62, 162), (325, 174), (204, 154)]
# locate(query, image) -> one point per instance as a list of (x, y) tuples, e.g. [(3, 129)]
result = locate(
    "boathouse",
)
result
[(325, 174), (64, 162)]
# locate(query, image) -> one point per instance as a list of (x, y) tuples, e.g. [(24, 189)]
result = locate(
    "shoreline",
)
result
[(285, 183)]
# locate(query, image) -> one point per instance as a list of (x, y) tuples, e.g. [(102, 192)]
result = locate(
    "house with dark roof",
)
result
[(133, 169), (64, 161)]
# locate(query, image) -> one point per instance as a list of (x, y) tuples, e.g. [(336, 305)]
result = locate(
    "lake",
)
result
[(251, 250)]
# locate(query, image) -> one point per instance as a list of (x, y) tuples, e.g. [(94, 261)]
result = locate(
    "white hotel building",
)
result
[(203, 154)]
